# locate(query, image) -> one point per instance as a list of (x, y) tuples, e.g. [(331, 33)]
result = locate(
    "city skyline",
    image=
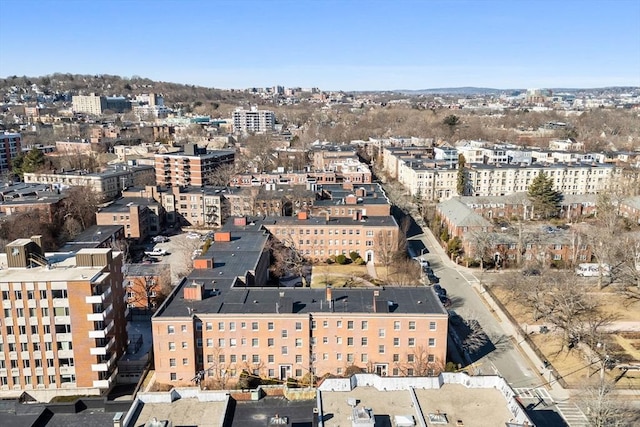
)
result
[(351, 45)]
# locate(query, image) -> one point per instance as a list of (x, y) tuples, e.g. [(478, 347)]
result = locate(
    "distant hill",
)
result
[(468, 90)]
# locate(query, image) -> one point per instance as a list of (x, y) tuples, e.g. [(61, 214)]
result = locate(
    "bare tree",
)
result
[(80, 203), (286, 257), (150, 291), (604, 409), (386, 248), (419, 362), (220, 176)]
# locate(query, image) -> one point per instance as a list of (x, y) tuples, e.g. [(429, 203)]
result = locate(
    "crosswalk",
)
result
[(572, 414), (533, 393)]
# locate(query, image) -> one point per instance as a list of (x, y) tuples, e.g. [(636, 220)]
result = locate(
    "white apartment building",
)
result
[(253, 120), (498, 180), (107, 184)]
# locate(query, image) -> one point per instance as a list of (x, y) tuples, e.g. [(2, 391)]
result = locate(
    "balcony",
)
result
[(63, 337), (96, 317), (65, 354), (97, 298), (106, 383), (61, 320), (67, 370), (104, 366), (101, 351)]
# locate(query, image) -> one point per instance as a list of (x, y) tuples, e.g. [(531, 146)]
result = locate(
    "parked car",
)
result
[(433, 278), (160, 239), (193, 236), (439, 290), (445, 301), (157, 252)]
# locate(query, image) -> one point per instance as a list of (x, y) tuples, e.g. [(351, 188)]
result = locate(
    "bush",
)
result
[(444, 235), (359, 261), (341, 259), (330, 260), (354, 256)]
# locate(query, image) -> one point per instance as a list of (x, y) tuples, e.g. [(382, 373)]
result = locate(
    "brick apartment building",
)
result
[(10, 147), (133, 214), (190, 167), (317, 238), (221, 320), (63, 327)]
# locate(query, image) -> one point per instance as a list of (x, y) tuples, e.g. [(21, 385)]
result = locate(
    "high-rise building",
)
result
[(253, 120), (9, 149), (190, 167), (63, 320)]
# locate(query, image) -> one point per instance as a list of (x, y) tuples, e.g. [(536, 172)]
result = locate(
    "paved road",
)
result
[(502, 357)]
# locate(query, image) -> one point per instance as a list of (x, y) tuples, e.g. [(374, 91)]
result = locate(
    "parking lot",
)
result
[(180, 248)]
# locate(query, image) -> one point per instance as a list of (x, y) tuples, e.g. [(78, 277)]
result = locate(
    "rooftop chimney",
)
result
[(193, 291)]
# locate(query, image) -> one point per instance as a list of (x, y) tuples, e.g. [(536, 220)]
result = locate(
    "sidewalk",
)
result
[(557, 391)]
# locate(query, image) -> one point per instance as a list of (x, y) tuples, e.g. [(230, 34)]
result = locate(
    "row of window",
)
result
[(31, 295), (33, 312), (37, 363), (36, 346)]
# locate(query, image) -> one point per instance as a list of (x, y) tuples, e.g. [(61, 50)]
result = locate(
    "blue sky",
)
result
[(346, 44)]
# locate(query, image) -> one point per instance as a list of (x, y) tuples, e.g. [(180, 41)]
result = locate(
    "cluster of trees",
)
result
[(75, 214)]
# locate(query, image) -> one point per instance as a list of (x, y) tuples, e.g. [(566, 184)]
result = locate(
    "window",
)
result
[(270, 342), (221, 342), (396, 325), (221, 326), (431, 358), (254, 342), (255, 358), (233, 358), (396, 357), (172, 346), (298, 326), (298, 342), (209, 326), (243, 341), (209, 342), (432, 326), (270, 326), (298, 358), (338, 340), (183, 328), (396, 342), (339, 324), (232, 326), (185, 361), (350, 324), (432, 342), (184, 345), (270, 358), (381, 349), (363, 341), (284, 350), (350, 341), (232, 342), (254, 326), (364, 358), (173, 376), (411, 357), (412, 342), (412, 325), (381, 333), (325, 323), (170, 329), (285, 333), (338, 356)]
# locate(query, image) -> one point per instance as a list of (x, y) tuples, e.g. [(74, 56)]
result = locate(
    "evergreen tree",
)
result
[(27, 163), (546, 201), (461, 184)]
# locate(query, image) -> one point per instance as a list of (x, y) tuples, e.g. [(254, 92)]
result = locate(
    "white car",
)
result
[(156, 252), (193, 236)]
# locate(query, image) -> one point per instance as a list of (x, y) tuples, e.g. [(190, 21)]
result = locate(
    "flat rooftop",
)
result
[(299, 413), (251, 300), (338, 412), (480, 407), (183, 412), (475, 407)]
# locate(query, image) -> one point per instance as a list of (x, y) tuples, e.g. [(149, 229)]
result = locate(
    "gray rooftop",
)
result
[(243, 300), (461, 215)]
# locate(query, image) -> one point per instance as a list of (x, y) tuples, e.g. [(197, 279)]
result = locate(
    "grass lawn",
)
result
[(571, 364), (336, 275)]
